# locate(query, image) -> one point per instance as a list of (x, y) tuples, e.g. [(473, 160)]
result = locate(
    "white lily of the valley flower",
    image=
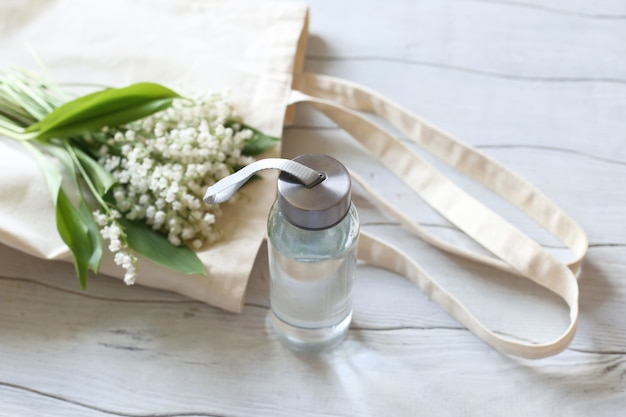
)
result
[(163, 165)]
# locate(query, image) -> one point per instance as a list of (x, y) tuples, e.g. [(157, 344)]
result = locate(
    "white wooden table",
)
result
[(541, 86)]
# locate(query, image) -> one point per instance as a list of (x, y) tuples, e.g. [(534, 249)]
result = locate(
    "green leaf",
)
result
[(51, 171), (93, 233), (109, 107), (258, 143), (101, 179), (77, 227), (76, 235), (156, 248)]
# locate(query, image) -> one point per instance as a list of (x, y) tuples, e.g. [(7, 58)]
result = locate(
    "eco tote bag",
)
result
[(204, 46), (284, 31)]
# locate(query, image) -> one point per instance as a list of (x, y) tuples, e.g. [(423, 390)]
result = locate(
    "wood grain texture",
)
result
[(540, 86)]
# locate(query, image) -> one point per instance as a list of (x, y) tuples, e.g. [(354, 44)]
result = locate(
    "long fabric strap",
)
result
[(345, 102)]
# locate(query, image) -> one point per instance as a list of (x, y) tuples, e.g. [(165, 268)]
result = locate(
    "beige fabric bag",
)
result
[(209, 45), (269, 44)]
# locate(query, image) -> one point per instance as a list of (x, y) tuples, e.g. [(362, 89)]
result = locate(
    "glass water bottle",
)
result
[(313, 233), (313, 236)]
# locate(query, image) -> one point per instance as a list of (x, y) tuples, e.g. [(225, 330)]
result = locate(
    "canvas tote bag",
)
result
[(245, 47), (283, 31)]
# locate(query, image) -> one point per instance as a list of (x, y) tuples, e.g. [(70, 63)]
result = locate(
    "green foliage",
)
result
[(101, 179), (109, 107), (29, 110), (156, 248), (57, 135), (76, 235)]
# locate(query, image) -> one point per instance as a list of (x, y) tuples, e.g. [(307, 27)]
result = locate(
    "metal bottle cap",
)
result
[(321, 206)]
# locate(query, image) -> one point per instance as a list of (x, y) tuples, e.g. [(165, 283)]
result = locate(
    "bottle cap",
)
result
[(320, 206)]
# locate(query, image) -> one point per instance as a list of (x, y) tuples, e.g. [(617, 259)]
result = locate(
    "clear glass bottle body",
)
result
[(312, 274)]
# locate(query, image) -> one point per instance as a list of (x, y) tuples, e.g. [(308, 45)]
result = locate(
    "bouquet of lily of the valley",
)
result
[(129, 166)]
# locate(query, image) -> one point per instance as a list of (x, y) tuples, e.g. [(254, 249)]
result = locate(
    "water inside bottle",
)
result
[(311, 303)]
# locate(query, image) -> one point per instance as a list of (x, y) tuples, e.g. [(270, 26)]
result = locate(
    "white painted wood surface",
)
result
[(541, 86)]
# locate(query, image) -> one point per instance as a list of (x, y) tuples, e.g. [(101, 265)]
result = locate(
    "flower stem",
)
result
[(86, 178)]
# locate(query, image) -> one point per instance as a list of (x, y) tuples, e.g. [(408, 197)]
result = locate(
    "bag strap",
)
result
[(344, 102)]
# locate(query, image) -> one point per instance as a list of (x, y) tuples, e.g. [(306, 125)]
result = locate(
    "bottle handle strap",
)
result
[(224, 189), (343, 102)]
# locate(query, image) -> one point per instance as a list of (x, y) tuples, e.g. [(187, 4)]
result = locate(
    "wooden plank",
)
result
[(169, 359), (488, 111), (474, 69), (514, 41), (605, 9)]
